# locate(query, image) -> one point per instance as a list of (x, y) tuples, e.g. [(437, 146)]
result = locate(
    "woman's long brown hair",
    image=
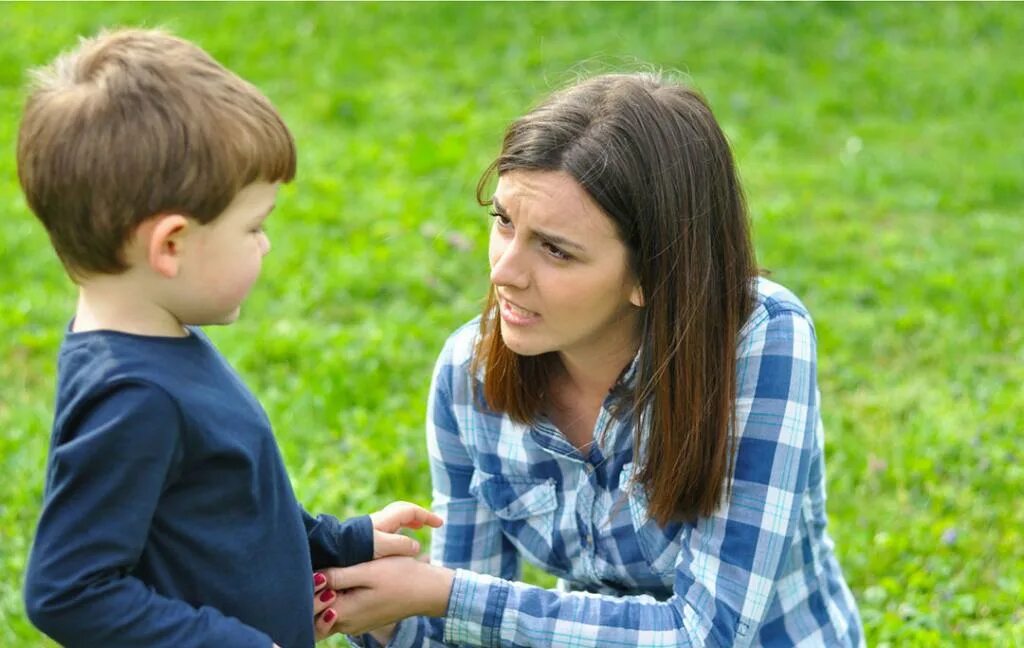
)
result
[(652, 155)]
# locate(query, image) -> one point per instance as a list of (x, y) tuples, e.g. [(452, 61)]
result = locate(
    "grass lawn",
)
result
[(882, 156)]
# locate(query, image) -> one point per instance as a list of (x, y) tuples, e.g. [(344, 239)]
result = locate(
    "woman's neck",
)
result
[(589, 377), (579, 389)]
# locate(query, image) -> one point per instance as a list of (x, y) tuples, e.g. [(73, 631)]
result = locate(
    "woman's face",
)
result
[(559, 269)]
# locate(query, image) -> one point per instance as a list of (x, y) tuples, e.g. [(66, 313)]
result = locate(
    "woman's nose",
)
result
[(508, 265)]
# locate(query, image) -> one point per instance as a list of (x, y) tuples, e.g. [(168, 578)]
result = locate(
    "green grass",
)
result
[(880, 147)]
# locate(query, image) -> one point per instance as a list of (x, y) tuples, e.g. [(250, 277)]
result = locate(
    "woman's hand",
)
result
[(380, 592), (323, 596)]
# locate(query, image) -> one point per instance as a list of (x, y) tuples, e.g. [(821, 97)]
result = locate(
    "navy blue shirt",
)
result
[(168, 517)]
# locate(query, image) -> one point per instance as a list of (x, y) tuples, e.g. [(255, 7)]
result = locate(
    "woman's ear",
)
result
[(164, 237), (636, 296)]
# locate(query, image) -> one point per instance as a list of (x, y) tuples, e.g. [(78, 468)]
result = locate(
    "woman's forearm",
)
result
[(435, 585)]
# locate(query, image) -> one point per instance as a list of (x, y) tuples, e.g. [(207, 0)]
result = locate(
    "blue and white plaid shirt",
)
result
[(759, 572)]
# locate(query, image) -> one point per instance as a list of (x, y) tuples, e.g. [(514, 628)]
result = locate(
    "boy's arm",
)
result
[(105, 477), (333, 542)]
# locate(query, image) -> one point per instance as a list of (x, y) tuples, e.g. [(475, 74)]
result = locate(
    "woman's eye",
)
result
[(557, 252), (502, 219)]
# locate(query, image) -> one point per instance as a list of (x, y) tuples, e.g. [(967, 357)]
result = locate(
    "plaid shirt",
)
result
[(759, 572)]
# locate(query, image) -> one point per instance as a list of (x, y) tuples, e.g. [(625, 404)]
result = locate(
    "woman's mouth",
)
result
[(517, 315)]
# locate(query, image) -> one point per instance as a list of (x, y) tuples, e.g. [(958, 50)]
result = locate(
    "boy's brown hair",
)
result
[(134, 123)]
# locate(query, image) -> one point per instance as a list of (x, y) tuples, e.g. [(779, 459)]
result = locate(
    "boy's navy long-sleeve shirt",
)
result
[(168, 516)]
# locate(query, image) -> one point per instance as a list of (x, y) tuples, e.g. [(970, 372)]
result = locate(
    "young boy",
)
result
[(168, 517)]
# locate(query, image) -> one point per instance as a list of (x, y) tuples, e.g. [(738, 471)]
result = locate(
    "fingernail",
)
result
[(329, 616), (415, 546), (326, 595), (319, 579)]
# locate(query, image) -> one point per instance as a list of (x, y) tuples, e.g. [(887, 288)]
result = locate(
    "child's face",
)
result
[(225, 256)]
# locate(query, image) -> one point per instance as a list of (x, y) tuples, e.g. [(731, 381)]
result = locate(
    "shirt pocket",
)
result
[(525, 508), (659, 545)]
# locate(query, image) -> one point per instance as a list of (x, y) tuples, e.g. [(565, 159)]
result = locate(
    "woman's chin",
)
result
[(524, 345)]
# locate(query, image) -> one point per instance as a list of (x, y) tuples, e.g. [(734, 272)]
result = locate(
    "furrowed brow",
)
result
[(547, 237), (560, 241)]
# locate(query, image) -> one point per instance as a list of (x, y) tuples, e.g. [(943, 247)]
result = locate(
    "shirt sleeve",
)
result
[(726, 571), (471, 536), (338, 543), (106, 473)]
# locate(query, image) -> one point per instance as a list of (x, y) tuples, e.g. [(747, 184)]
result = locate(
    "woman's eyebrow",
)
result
[(560, 241), (547, 237)]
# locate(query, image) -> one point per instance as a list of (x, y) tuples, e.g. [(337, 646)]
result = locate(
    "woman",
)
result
[(635, 412)]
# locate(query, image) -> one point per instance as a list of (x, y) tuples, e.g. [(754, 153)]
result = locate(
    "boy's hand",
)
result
[(395, 516)]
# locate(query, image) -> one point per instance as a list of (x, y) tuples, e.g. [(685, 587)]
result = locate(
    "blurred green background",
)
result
[(881, 150)]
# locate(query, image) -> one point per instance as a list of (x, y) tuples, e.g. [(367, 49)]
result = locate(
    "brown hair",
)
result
[(134, 123), (652, 155)]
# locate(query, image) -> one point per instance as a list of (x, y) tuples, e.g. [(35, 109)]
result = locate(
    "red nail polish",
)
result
[(329, 616), (319, 579), (327, 595)]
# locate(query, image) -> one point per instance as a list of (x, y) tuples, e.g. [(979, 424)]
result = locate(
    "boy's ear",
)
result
[(164, 238)]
